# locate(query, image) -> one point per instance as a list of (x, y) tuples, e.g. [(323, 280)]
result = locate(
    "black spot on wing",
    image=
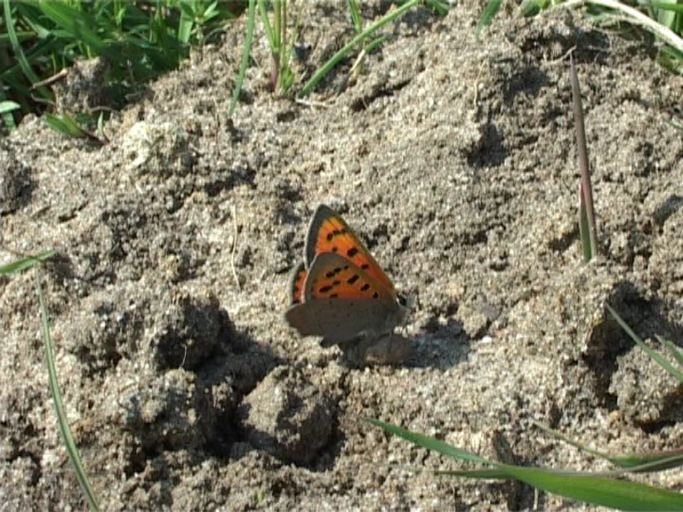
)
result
[(335, 233), (352, 252), (353, 279)]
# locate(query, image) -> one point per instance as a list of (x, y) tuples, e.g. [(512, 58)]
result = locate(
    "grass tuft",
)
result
[(139, 41)]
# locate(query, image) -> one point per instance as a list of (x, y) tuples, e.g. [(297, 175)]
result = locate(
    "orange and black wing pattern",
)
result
[(328, 233), (331, 276)]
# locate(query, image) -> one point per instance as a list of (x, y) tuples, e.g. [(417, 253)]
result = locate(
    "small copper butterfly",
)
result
[(339, 292)]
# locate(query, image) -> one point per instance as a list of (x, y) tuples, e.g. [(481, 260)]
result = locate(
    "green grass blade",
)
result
[(246, 52), (185, 24), (584, 230), (533, 7), (25, 263), (74, 22), (354, 11), (634, 463), (64, 429), (8, 106), (649, 462), (490, 11), (267, 27), (342, 53), (65, 125), (18, 50), (597, 490), (665, 6), (667, 17), (430, 443), (656, 356), (481, 474), (676, 352), (440, 7)]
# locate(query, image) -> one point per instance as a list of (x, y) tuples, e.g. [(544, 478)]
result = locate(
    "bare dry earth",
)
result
[(454, 159)]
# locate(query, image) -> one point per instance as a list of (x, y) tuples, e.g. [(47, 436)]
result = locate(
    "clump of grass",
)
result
[(139, 40), (280, 42)]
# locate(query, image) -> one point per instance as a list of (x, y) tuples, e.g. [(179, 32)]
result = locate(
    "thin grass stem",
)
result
[(246, 52), (587, 214)]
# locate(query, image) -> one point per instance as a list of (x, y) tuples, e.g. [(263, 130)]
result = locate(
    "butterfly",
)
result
[(339, 291)]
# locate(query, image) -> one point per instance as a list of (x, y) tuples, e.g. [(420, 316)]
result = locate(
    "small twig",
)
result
[(51, 79), (357, 63), (182, 363)]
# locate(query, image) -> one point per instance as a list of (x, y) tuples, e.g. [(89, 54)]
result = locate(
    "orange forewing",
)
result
[(332, 276), (329, 233)]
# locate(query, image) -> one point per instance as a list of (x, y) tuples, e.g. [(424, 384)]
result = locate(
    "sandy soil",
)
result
[(454, 159)]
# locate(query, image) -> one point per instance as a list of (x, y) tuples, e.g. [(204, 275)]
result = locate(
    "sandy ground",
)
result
[(454, 160)]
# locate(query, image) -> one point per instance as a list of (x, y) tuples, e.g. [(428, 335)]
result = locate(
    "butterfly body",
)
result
[(339, 292)]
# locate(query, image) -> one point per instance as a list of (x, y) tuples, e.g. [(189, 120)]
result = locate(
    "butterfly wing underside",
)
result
[(341, 301), (328, 232), (336, 320)]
